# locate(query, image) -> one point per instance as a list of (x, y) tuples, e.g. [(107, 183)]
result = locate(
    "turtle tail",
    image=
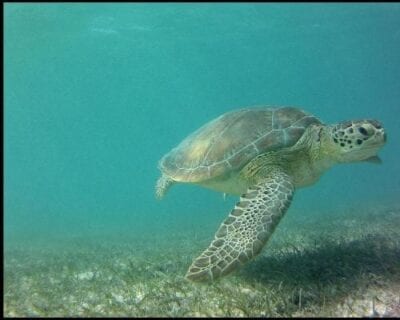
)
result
[(162, 186)]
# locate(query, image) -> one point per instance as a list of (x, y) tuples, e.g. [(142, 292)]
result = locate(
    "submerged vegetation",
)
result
[(331, 264)]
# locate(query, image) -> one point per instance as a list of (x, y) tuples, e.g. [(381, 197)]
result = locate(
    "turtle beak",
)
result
[(380, 133), (379, 129)]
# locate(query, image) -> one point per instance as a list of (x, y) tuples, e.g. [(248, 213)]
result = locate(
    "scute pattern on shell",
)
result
[(230, 141)]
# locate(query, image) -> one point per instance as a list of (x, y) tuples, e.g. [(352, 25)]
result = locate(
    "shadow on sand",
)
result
[(328, 263)]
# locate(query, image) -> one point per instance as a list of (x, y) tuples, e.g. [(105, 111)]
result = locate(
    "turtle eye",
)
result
[(363, 131)]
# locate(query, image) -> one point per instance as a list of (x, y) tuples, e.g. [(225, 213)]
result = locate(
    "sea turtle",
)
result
[(263, 154)]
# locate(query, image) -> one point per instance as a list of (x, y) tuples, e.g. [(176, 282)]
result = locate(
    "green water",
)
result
[(96, 94)]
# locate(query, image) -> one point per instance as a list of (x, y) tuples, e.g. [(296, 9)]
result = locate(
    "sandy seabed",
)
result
[(347, 265)]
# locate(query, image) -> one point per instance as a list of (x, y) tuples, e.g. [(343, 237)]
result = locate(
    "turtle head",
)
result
[(357, 140)]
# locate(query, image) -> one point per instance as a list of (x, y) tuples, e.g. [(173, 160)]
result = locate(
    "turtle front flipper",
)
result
[(246, 230)]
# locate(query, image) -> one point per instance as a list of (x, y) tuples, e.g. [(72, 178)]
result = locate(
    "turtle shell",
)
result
[(230, 141)]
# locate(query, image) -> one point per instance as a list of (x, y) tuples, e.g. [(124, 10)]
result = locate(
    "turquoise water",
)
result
[(96, 94)]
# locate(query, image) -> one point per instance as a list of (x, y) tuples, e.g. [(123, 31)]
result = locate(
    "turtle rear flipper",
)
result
[(246, 230), (162, 186)]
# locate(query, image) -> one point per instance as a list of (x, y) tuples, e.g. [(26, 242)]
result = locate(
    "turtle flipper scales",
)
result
[(162, 186), (246, 230)]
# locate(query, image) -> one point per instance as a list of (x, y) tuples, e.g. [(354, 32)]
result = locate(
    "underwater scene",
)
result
[(201, 160)]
